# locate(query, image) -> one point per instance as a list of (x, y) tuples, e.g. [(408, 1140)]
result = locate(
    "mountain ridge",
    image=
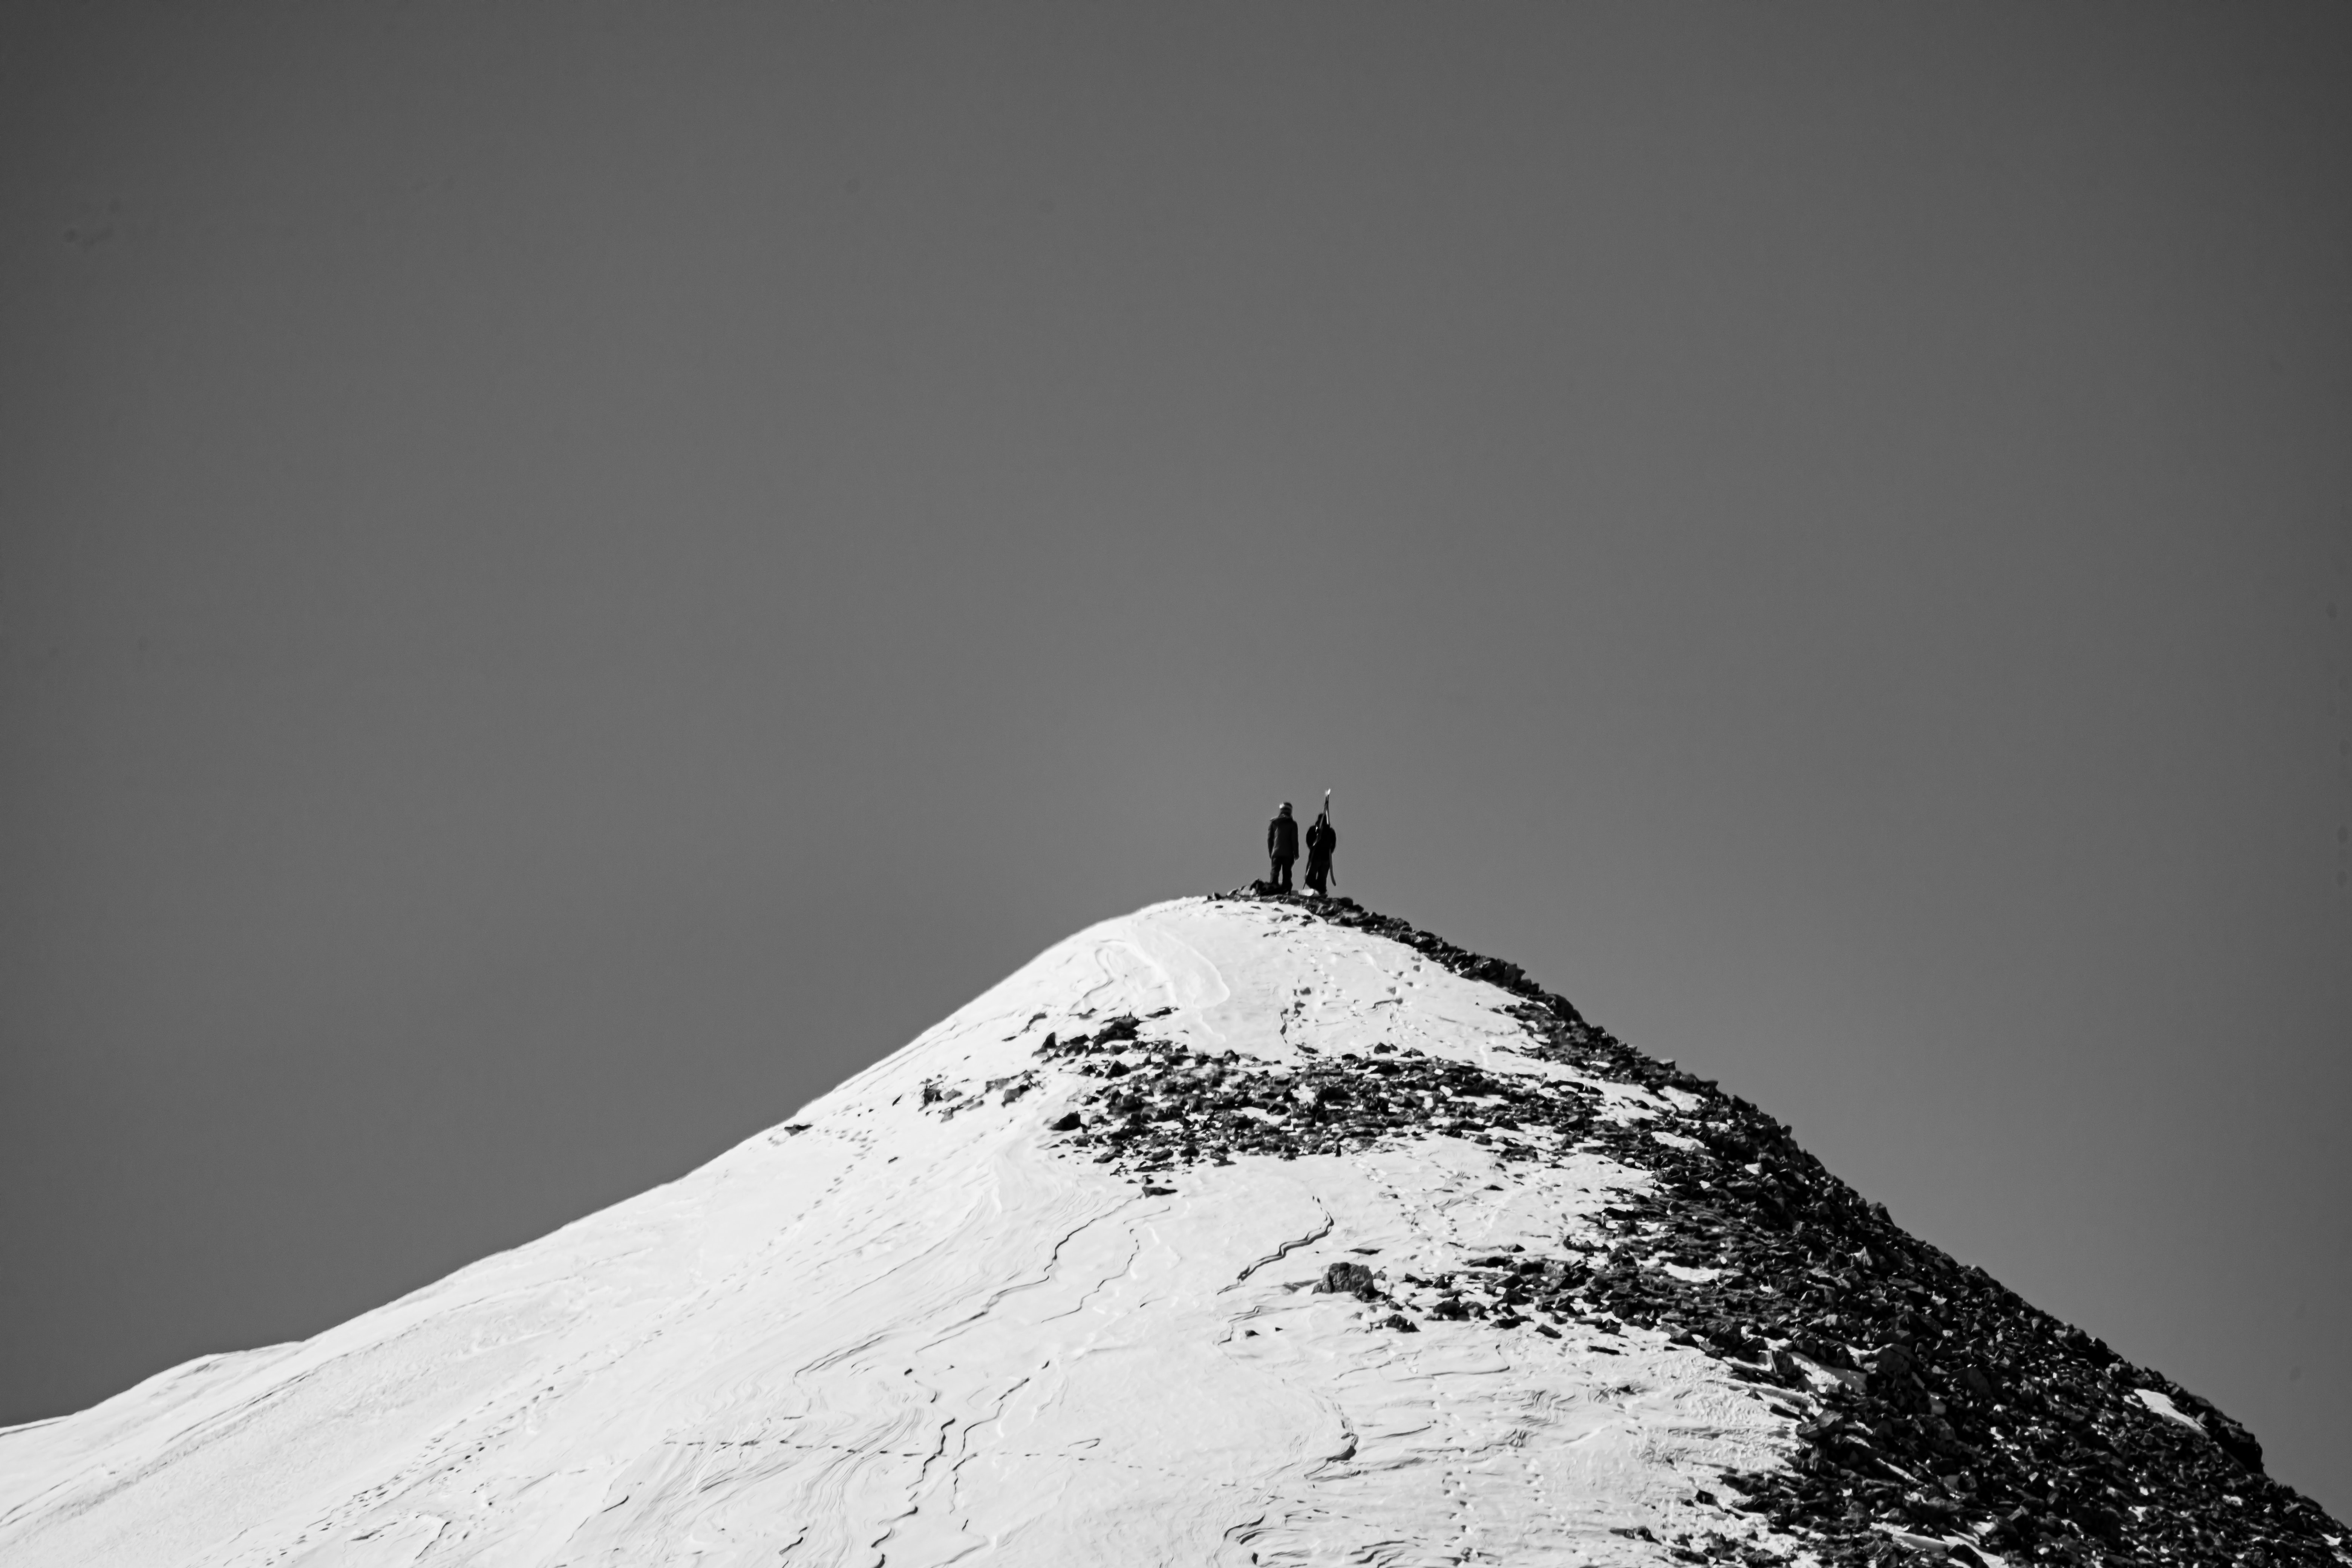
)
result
[(1241, 1229)]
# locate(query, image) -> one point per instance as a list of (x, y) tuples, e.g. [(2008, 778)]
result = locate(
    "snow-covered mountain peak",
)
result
[(1236, 1230)]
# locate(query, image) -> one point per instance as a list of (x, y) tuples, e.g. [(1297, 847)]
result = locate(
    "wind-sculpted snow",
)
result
[(915, 1333), (1234, 1231)]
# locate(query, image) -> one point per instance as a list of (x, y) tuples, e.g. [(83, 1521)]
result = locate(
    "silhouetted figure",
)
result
[(1282, 846), (1321, 839)]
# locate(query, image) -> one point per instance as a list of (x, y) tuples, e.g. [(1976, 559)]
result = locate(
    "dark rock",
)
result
[(2234, 1439)]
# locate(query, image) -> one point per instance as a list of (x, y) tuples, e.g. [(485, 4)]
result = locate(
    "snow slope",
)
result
[(918, 1328)]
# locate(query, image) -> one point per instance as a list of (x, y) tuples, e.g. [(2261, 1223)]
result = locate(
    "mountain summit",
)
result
[(1239, 1230)]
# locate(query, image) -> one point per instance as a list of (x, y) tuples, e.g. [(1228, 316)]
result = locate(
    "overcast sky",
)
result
[(573, 573)]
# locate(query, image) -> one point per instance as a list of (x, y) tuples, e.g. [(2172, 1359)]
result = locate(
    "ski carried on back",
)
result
[(1321, 840)]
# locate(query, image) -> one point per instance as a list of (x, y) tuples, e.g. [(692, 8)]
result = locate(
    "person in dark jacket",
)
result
[(1282, 846), (1321, 839)]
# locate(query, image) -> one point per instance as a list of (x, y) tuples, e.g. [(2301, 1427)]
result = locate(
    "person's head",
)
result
[(1286, 809)]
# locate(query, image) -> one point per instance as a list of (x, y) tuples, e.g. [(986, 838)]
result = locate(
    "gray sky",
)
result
[(574, 573)]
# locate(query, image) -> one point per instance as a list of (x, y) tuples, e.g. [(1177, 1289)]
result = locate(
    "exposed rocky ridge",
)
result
[(1937, 1414)]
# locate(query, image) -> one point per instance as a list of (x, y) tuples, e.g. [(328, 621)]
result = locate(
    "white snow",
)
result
[(2162, 1405), (898, 1337)]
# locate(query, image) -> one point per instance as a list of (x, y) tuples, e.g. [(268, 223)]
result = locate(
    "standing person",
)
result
[(1282, 846), (1321, 839)]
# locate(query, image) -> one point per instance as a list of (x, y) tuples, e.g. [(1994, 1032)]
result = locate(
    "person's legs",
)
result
[(1282, 876)]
